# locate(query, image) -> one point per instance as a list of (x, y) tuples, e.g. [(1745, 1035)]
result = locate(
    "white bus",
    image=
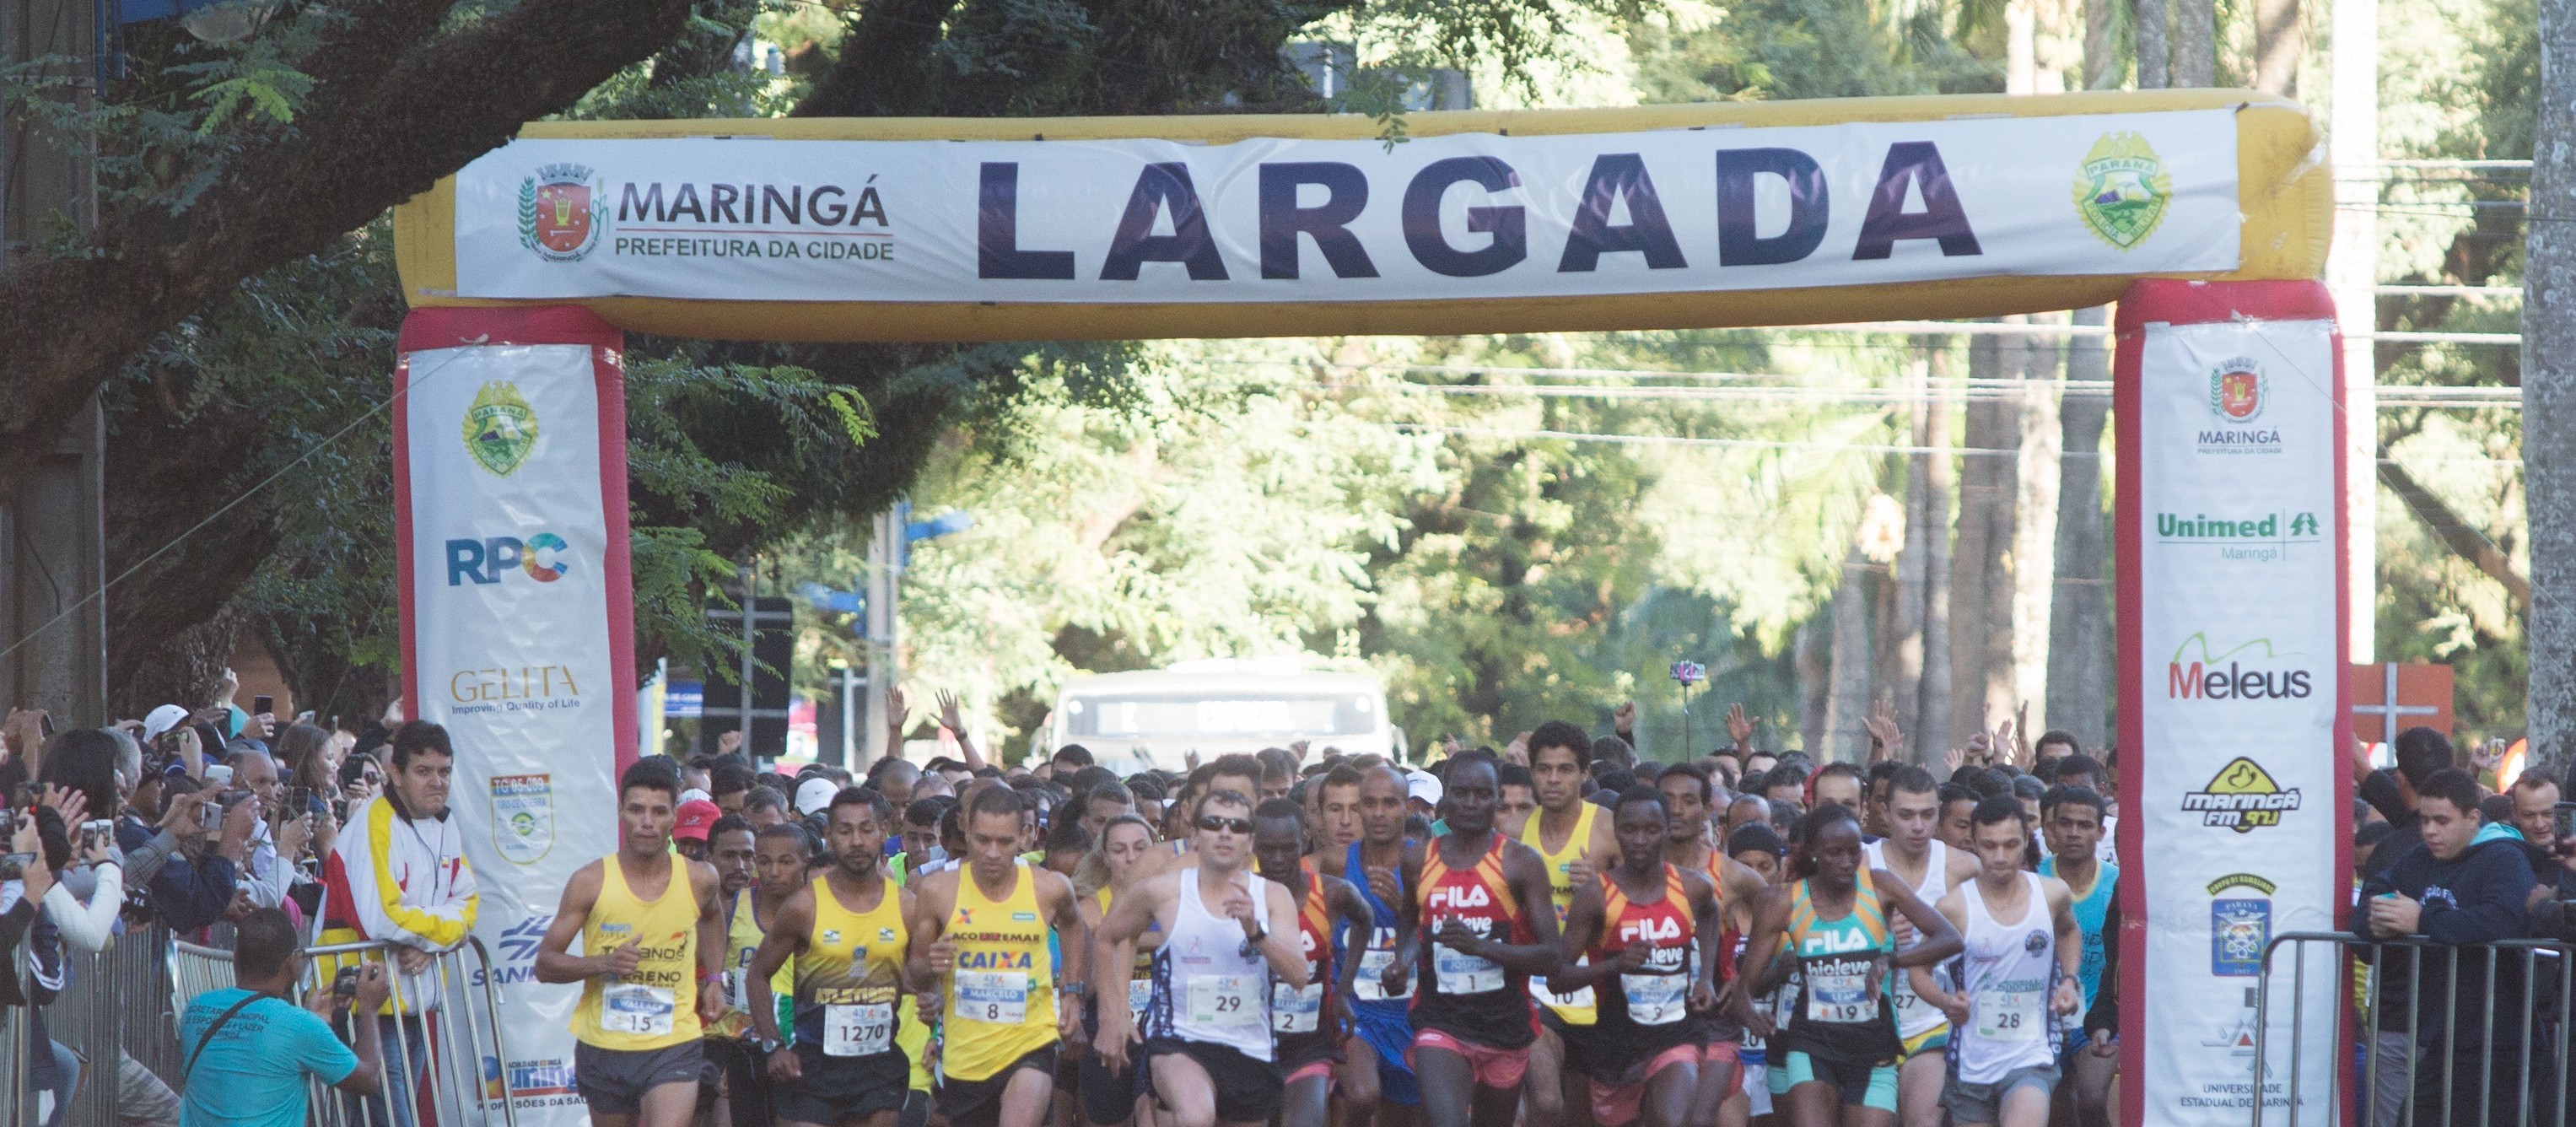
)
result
[(1156, 718)]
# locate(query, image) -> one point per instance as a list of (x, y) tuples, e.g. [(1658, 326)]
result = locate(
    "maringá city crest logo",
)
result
[(562, 212), (2121, 190), (500, 428)]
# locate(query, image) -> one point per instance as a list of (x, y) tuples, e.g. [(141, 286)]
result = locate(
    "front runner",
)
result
[(1575, 842), (979, 938), (1687, 794), (1207, 1032), (2015, 980), (1651, 929), (1911, 810), (1377, 1082), (649, 921), (2073, 829), (1478, 897), (1839, 1053), (846, 934), (1310, 1022)]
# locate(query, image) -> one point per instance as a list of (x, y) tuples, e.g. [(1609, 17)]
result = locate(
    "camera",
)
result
[(14, 865), (344, 986)]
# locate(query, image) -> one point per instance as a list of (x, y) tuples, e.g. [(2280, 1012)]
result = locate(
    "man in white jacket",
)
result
[(399, 874)]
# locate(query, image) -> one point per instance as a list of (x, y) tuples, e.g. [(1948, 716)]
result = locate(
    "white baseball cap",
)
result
[(161, 720), (814, 795), (1422, 785)]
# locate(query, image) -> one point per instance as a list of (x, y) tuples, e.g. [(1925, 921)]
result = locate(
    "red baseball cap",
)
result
[(697, 816)]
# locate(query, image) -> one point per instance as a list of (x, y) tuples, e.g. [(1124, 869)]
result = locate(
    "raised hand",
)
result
[(1739, 727), (952, 713), (1624, 717), (1884, 735)]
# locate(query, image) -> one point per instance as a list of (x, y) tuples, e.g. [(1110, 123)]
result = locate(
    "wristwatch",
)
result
[(1074, 989), (770, 1045)]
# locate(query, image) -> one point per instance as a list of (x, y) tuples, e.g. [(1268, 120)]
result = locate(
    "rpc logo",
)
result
[(544, 556)]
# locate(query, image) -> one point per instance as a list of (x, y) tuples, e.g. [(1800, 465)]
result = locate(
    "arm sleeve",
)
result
[(87, 926), (191, 894), (145, 855)]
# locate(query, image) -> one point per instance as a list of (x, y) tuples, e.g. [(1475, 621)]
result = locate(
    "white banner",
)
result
[(509, 599), (2238, 658), (746, 218)]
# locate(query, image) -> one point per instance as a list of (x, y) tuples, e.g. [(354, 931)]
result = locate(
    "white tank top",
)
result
[(1209, 985), (1914, 1016), (2008, 972)]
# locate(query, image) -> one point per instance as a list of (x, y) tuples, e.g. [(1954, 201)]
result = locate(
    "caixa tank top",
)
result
[(1463, 995)]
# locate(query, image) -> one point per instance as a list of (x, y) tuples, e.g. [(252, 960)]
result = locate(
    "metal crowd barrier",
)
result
[(447, 1030), (2393, 1065)]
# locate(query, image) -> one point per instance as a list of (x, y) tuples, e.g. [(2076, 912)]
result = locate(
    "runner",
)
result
[(1377, 1082), (1758, 848), (778, 862), (1110, 1098), (2017, 980), (979, 942), (2073, 819), (1476, 894), (1337, 809), (1310, 1023), (1839, 1052), (1207, 1041), (1238, 773), (650, 921), (1687, 791), (1911, 811), (1651, 929), (845, 933), (1575, 842)]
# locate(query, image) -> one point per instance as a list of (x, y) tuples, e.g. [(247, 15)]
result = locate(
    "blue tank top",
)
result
[(1378, 948), (2089, 915)]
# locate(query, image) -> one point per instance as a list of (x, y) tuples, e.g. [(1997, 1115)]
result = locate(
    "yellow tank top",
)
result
[(1578, 1007), (850, 976), (742, 940), (1001, 994), (657, 1006)]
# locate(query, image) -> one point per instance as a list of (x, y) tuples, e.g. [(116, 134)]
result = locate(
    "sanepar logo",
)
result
[(2250, 672), (544, 557)]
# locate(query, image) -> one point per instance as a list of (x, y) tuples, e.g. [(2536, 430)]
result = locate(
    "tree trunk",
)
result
[(2034, 536), (1848, 699), (2549, 399), (2279, 40), (2195, 43), (2079, 624), (2155, 45), (1815, 687), (1988, 485), (1912, 574), (1930, 721), (2101, 55)]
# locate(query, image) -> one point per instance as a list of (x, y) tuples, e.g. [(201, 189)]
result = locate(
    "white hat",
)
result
[(1422, 785), (693, 794), (161, 720), (813, 796)]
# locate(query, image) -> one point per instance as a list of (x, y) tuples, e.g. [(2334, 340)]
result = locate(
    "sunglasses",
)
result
[(1213, 824)]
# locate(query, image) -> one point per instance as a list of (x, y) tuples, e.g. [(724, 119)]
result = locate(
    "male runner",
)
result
[(2016, 979), (1377, 1081), (778, 862), (845, 933), (1520, 799), (1911, 812), (1207, 1031), (2072, 818), (1651, 929), (1958, 804), (1477, 896), (981, 958), (1686, 790), (1575, 842), (1238, 773), (1337, 809), (1839, 1053), (1312, 1022), (650, 922)]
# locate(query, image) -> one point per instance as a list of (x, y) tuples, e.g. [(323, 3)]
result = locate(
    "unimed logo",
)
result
[(2251, 671)]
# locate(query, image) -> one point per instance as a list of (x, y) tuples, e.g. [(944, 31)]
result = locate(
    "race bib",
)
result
[(1000, 997), (1580, 999), (1461, 973), (1293, 1010), (1653, 999), (2009, 1015), (1842, 998), (857, 1031), (629, 1007), (1372, 981), (1223, 999), (1140, 996)]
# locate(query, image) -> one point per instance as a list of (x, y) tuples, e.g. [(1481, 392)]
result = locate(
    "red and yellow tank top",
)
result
[(1462, 994), (1658, 993), (1296, 1013)]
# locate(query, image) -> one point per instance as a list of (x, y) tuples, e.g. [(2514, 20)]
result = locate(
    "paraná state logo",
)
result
[(2121, 190), (500, 428), (562, 212)]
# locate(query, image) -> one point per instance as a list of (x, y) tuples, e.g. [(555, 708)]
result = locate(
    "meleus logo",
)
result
[(2194, 673), (2241, 797), (2238, 393), (543, 557)]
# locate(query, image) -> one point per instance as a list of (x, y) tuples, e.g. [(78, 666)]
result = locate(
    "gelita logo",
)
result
[(543, 557), (2251, 671)]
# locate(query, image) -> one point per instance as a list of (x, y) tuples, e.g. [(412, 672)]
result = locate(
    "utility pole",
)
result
[(2352, 276), (2548, 394), (885, 580)]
